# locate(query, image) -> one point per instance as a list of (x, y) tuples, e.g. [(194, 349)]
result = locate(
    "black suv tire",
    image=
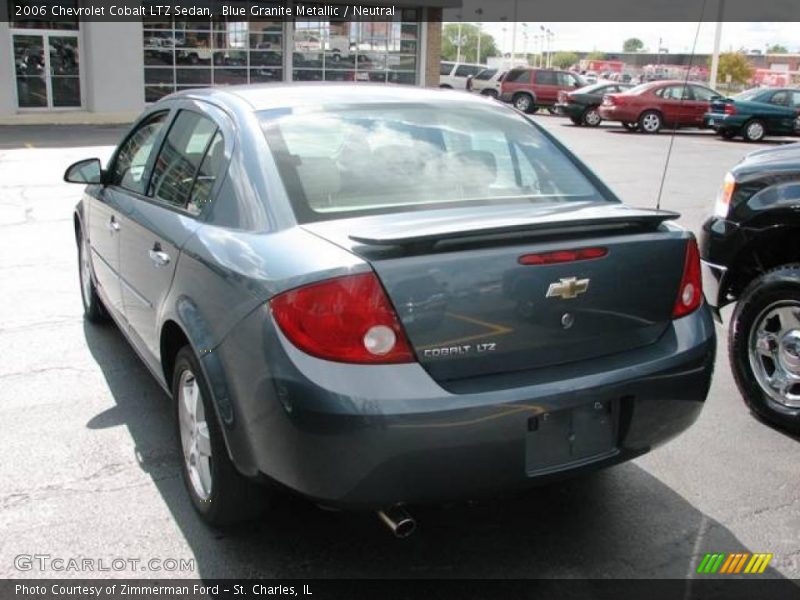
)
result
[(774, 287)]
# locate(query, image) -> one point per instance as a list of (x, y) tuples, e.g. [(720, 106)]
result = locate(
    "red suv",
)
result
[(529, 89), (651, 106)]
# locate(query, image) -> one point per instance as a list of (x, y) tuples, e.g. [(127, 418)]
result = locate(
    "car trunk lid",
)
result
[(506, 289)]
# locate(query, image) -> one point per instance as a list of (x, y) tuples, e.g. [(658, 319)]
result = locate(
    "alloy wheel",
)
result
[(522, 103), (592, 117), (755, 131), (651, 123), (195, 440), (774, 352)]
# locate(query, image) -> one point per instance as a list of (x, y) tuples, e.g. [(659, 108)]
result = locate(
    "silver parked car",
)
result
[(379, 295)]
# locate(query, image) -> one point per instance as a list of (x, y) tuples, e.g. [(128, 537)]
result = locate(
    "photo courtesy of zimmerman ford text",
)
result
[(399, 299)]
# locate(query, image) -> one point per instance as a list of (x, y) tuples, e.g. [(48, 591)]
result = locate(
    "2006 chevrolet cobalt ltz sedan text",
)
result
[(376, 296)]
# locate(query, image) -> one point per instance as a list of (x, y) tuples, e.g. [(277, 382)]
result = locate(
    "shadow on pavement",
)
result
[(59, 136), (618, 523)]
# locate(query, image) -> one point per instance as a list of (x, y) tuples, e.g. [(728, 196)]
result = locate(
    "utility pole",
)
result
[(712, 80), (514, 36)]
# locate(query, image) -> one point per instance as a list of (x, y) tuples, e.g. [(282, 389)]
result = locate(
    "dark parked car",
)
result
[(751, 256), (650, 106), (755, 114), (378, 295), (581, 106), (529, 89)]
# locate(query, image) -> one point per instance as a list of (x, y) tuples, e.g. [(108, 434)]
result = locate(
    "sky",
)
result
[(676, 37)]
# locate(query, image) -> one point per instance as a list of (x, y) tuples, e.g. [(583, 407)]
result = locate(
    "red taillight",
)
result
[(730, 109), (346, 319), (562, 256), (690, 292)]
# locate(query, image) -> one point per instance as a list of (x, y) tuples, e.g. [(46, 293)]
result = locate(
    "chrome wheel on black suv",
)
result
[(765, 346)]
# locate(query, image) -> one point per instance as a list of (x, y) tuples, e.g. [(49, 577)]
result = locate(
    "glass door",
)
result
[(47, 70)]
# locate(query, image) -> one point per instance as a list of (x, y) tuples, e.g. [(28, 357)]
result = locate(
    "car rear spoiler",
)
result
[(549, 224)]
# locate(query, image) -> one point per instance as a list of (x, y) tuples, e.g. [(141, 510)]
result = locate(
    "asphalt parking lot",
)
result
[(91, 469)]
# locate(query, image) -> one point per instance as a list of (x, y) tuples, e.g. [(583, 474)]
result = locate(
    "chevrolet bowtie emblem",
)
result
[(567, 288)]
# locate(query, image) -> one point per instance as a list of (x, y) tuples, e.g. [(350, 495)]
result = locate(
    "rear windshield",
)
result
[(748, 94), (371, 159)]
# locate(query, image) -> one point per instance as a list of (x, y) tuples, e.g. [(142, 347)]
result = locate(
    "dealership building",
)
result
[(61, 70)]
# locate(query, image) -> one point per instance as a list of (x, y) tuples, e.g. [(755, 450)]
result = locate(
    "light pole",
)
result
[(479, 12), (715, 56), (458, 42)]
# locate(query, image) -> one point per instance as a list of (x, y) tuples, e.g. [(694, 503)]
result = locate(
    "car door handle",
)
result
[(158, 256), (113, 226)]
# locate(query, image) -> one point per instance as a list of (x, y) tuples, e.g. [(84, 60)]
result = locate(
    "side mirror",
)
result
[(84, 171)]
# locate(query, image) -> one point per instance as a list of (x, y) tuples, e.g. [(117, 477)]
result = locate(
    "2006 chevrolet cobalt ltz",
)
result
[(377, 296)]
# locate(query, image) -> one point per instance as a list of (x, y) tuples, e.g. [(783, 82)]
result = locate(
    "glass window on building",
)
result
[(188, 54), (46, 57), (378, 51)]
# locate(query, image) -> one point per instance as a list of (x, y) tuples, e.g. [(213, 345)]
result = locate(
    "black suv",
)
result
[(750, 249)]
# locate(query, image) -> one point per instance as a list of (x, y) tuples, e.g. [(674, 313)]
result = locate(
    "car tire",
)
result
[(219, 493), (591, 117), (651, 121), (524, 103), (576, 121), (93, 309), (764, 325), (728, 134), (754, 130)]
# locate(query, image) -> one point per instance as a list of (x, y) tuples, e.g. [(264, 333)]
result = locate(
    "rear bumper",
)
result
[(574, 111), (367, 437), (720, 121), (617, 113)]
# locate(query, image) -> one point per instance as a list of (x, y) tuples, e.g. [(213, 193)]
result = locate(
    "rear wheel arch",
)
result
[(173, 338)]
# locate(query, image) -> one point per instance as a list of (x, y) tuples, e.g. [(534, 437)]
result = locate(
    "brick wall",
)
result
[(433, 47)]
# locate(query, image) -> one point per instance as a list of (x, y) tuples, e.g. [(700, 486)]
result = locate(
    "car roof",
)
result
[(291, 95)]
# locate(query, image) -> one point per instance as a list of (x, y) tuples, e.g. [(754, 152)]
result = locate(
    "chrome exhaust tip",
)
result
[(399, 522)]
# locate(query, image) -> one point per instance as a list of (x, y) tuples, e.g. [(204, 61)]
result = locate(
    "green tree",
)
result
[(736, 65), (563, 60), (469, 43), (632, 45), (596, 56), (777, 49)]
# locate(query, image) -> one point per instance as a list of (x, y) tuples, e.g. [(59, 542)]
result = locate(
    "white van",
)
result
[(454, 75)]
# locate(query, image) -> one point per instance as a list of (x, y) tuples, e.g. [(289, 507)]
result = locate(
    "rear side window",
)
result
[(445, 68), (129, 167), (180, 157), (546, 78), (702, 94), (518, 76)]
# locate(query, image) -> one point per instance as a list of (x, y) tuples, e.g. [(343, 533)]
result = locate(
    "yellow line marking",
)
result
[(495, 330), (764, 564), (753, 562)]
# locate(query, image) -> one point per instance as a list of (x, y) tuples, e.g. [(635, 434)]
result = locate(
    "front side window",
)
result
[(180, 156), (129, 167), (393, 158), (486, 74), (466, 70)]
